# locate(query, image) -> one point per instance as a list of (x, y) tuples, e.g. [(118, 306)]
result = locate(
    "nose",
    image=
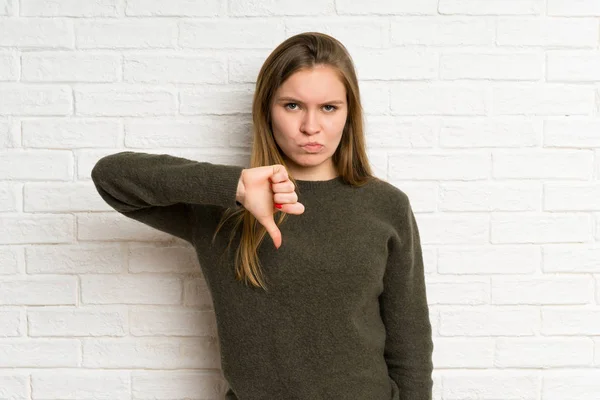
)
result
[(310, 123)]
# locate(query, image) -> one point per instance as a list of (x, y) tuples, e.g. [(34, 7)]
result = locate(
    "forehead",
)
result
[(317, 84)]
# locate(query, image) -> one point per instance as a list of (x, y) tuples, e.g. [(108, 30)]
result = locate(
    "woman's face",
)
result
[(310, 106)]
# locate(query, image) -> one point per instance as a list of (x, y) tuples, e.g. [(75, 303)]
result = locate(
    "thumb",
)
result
[(272, 229)]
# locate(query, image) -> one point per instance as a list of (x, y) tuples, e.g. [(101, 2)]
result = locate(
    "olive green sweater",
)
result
[(345, 315)]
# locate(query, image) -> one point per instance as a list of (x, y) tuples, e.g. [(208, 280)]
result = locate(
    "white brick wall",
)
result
[(487, 113)]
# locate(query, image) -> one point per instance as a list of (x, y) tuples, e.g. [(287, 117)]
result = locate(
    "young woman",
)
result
[(332, 303)]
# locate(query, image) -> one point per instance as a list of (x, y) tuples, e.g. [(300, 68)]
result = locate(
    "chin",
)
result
[(311, 160)]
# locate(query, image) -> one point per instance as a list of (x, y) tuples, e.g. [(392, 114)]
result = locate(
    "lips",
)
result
[(313, 148)]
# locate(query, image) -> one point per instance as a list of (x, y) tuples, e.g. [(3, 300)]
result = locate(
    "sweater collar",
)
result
[(336, 182)]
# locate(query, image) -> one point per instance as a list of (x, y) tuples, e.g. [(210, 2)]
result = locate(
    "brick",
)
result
[(160, 259), (75, 259), (120, 100), (39, 353), (551, 31), (492, 7), (175, 68), (69, 8), (36, 100), (71, 133), (70, 67), (36, 165), (5, 7), (37, 291), (5, 134), (543, 164), (167, 385), (36, 33), (465, 353), (540, 228), (36, 228), (151, 353), (396, 64), (266, 8), (386, 7), (226, 34), (215, 100), (567, 321), (543, 352), (442, 31), (490, 196), (80, 321), (15, 385), (400, 132), (574, 8), (569, 66), (9, 67), (576, 384), (126, 34), (76, 384), (534, 99), (458, 292), (572, 132), (490, 132), (130, 289), (10, 324), (375, 98), (540, 290), (353, 33), (577, 258), (417, 98), (453, 229), (244, 65), (472, 166), (515, 259), (174, 322), (9, 260), (203, 132), (491, 384), (490, 321), (197, 294), (174, 8), (571, 196), (8, 197), (490, 66), (63, 197)]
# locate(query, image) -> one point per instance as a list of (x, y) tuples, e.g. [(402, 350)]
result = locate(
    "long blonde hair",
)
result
[(299, 52)]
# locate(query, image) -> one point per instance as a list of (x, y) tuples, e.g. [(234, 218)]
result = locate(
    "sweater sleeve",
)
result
[(405, 313), (159, 189)]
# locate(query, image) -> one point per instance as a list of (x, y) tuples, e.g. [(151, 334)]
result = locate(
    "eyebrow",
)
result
[(287, 98)]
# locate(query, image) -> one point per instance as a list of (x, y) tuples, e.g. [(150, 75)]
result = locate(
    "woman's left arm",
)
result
[(405, 312)]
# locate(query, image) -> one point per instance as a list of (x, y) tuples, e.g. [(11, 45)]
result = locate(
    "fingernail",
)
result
[(278, 205)]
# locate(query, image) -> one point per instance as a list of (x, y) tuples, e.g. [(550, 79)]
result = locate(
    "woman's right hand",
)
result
[(261, 188)]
